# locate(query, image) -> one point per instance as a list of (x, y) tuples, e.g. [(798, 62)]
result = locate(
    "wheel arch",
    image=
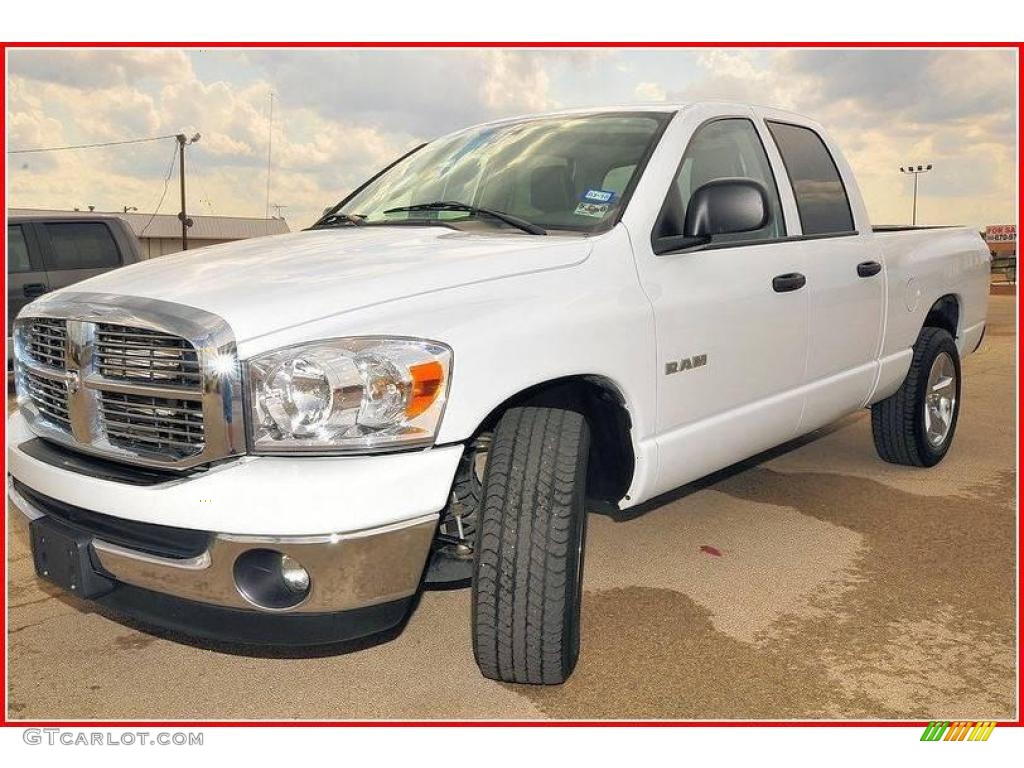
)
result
[(605, 407), (944, 313)]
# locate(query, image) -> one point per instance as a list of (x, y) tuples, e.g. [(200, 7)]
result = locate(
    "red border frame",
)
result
[(1019, 47)]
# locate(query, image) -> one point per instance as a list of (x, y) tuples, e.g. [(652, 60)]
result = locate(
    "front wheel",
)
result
[(530, 537), (915, 426)]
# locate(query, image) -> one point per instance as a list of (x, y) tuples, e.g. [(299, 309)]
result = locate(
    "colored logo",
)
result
[(959, 731)]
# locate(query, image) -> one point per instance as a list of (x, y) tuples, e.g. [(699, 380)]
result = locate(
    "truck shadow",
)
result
[(352, 646), (238, 649)]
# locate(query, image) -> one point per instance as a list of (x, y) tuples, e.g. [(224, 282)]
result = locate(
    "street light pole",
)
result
[(186, 222), (916, 171)]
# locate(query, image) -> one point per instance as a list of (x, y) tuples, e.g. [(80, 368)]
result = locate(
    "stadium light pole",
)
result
[(916, 170)]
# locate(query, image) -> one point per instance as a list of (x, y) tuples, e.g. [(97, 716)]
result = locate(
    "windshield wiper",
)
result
[(451, 205), (341, 220)]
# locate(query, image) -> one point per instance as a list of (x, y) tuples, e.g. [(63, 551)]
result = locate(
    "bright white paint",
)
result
[(265, 495), (520, 310)]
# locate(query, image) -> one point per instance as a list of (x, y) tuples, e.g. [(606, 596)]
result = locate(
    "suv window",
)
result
[(17, 250), (726, 148), (820, 195), (82, 245)]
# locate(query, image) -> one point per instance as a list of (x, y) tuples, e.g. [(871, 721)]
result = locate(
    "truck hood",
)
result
[(267, 284)]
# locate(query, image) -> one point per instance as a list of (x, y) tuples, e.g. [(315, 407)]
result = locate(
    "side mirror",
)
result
[(720, 207), (726, 206)]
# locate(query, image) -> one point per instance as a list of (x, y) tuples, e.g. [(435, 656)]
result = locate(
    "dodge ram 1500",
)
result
[(281, 440)]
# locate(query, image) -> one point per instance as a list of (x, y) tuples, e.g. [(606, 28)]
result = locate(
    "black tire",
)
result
[(528, 568), (898, 422)]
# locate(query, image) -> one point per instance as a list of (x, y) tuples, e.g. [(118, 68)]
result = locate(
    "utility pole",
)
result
[(270, 144), (916, 171), (186, 222)]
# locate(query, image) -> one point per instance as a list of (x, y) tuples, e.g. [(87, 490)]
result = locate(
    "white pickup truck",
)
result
[(280, 441)]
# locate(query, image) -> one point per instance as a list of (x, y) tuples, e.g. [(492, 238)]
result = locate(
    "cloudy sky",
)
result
[(340, 115)]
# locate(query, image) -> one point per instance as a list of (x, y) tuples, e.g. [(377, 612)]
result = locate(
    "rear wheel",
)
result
[(527, 580), (915, 426)]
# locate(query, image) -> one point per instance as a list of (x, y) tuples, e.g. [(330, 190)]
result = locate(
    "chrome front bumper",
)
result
[(347, 570)]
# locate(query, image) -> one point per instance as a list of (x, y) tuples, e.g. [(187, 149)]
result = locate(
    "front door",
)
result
[(731, 318)]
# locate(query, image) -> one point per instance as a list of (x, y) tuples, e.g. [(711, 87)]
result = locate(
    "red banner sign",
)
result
[(1001, 233)]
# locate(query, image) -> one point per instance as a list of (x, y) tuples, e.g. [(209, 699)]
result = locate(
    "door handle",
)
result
[(868, 268), (791, 281), (34, 290)]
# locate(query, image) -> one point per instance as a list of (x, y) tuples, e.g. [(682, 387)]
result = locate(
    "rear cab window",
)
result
[(81, 245), (821, 198)]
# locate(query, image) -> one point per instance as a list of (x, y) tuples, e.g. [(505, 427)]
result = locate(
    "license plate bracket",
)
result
[(63, 556)]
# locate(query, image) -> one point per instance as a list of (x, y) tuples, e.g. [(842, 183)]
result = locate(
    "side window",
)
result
[(727, 148), (17, 250), (820, 195), (82, 245)]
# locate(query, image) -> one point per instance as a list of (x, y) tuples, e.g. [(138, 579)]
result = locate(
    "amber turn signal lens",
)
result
[(427, 379)]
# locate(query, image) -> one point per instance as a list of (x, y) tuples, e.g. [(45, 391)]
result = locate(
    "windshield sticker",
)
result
[(598, 196), (594, 210)]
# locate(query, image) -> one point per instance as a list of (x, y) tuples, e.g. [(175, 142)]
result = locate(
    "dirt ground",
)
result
[(842, 587)]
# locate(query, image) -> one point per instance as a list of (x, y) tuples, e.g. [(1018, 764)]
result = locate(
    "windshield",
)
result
[(571, 172)]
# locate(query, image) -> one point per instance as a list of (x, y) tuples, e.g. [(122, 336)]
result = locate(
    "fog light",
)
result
[(296, 578), (270, 579)]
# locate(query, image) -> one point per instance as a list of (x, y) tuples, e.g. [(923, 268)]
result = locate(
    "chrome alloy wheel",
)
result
[(940, 399)]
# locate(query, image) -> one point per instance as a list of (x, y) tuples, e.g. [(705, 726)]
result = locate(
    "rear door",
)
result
[(77, 250), (26, 275), (845, 274)]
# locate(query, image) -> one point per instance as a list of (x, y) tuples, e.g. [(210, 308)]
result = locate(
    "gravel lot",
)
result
[(843, 587)]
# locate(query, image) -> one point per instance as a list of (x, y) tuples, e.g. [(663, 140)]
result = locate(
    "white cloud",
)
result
[(649, 92), (90, 69), (514, 82), (423, 93)]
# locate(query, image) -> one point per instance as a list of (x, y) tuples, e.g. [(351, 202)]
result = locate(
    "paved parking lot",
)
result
[(842, 587)]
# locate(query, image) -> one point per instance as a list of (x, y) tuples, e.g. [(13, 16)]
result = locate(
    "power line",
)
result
[(88, 146), (167, 181)]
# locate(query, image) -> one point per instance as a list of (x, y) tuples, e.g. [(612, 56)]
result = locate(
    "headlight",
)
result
[(348, 395)]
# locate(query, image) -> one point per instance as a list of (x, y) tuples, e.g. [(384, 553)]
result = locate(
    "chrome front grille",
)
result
[(140, 380), (141, 354), (50, 397), (154, 423), (47, 340)]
